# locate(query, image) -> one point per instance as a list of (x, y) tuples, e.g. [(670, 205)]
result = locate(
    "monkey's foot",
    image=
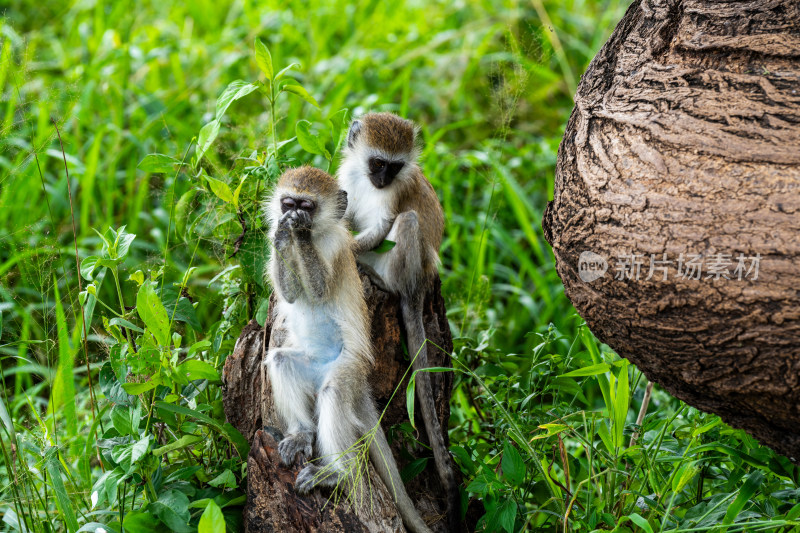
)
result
[(293, 445), (315, 475)]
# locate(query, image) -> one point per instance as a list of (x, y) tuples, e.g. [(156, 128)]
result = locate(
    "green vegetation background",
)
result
[(543, 416)]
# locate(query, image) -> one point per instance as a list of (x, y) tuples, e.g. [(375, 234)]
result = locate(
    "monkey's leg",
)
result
[(337, 431), (293, 394), (403, 269)]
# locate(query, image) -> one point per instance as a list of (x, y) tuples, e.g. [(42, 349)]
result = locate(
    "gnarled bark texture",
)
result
[(685, 139), (272, 504)]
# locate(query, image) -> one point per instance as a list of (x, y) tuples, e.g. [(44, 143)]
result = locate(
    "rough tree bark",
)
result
[(272, 503), (685, 139)]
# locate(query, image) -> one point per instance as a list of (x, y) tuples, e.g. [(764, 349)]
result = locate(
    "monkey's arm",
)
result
[(373, 237), (316, 273), (287, 271)]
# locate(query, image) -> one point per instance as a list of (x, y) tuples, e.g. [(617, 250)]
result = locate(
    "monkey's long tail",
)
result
[(384, 463), (418, 350)]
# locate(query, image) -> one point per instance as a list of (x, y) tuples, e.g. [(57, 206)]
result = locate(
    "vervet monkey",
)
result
[(390, 198), (319, 375)]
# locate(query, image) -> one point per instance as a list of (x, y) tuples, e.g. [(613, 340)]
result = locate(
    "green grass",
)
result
[(542, 415)]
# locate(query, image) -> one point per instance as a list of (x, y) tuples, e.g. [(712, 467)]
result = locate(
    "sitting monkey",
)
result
[(319, 374)]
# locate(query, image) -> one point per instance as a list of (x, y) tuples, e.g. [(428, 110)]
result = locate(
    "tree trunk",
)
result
[(685, 141), (272, 503)]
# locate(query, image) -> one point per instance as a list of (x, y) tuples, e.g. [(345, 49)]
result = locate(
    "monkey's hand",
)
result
[(293, 445), (283, 236), (302, 225)]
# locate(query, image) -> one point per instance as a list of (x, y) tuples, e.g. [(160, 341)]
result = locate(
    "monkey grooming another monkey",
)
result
[(390, 198), (319, 375)]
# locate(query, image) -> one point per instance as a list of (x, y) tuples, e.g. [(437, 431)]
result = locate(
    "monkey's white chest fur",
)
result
[(313, 329), (366, 205), (367, 208)]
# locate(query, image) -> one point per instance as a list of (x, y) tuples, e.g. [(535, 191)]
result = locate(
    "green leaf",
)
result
[(513, 465), (182, 210), (183, 442), (280, 74), (506, 514), (172, 508), (207, 136), (111, 386), (139, 448), (121, 322), (212, 520), (605, 436), (591, 370), (552, 429), (311, 143), (139, 388), (338, 124), (114, 479), (88, 265), (410, 388), (236, 90), (237, 192), (123, 243), (225, 479), (139, 522), (238, 440), (220, 189), (62, 399), (641, 522), (126, 419), (263, 59), (300, 91), (127, 455), (263, 312), (63, 502), (480, 485), (413, 469), (196, 369), (683, 476), (179, 308), (153, 313), (158, 163), (5, 418), (199, 346), (137, 277), (226, 429), (253, 256), (384, 246), (621, 405), (751, 485)]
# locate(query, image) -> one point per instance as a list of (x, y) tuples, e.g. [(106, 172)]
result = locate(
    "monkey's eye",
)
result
[(394, 168), (287, 204), (307, 205), (376, 165)]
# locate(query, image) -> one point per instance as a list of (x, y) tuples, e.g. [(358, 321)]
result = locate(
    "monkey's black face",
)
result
[(382, 172), (297, 204)]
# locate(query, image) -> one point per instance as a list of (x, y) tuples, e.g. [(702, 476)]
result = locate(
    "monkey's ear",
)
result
[(352, 135), (342, 203)]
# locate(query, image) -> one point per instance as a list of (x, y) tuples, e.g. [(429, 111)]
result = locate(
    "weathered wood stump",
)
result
[(676, 216), (272, 502)]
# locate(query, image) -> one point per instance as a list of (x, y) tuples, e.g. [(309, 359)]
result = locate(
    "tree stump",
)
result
[(272, 504), (685, 141)]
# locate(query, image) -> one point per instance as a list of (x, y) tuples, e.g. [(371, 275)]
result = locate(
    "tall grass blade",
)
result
[(63, 502), (62, 398)]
